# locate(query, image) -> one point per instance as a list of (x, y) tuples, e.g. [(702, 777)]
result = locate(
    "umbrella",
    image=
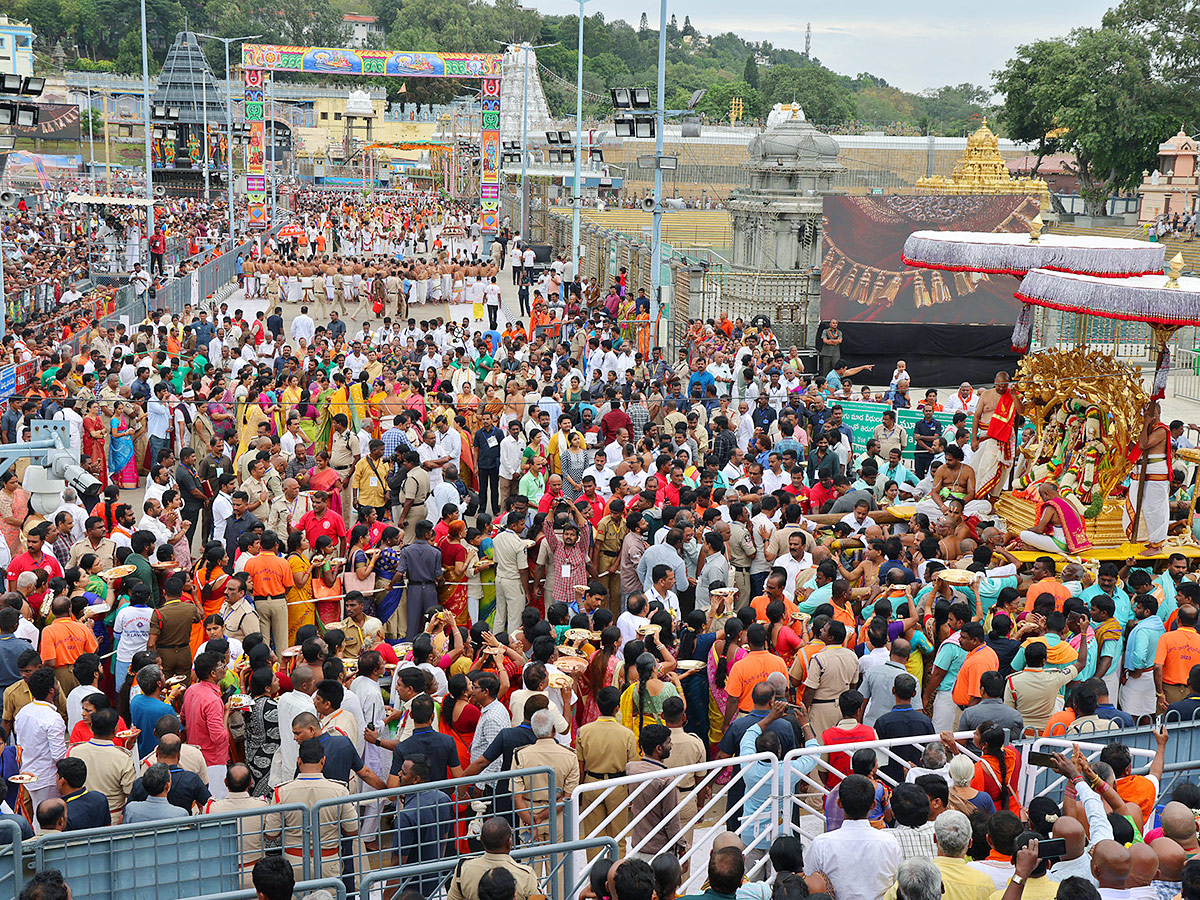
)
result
[(292, 230), (1166, 304), (1014, 253)]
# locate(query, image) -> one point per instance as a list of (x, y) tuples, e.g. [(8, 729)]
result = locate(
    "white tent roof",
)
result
[(101, 200)]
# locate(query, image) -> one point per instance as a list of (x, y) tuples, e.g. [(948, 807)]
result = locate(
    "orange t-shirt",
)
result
[(805, 653), (1140, 790), (272, 575), (982, 659), (759, 605), (1057, 724), (65, 640), (1047, 586), (750, 670), (1177, 652)]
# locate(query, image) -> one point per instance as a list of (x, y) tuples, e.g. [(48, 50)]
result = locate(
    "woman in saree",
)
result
[(377, 404), (301, 610), (456, 558), (359, 413), (208, 585), (93, 439), (485, 604), (602, 671), (122, 468), (387, 595), (268, 401), (727, 649), (250, 414), (172, 517), (291, 396), (323, 477), (416, 402), (327, 582), (359, 574), (220, 409), (625, 310), (648, 693), (459, 715), (262, 729), (335, 399)]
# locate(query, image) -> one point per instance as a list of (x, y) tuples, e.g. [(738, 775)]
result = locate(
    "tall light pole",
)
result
[(228, 119), (659, 117), (146, 130), (87, 80), (577, 191)]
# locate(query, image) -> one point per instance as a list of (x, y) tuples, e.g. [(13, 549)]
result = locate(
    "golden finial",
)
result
[(1035, 228), (1174, 270)]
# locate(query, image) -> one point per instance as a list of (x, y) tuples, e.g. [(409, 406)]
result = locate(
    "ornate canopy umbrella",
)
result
[(1014, 253), (1166, 304)]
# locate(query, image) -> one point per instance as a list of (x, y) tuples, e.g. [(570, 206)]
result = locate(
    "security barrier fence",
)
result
[(376, 843), (333, 886)]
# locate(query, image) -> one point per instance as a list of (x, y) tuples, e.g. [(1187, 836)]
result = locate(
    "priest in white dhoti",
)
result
[(955, 480), (1148, 509)]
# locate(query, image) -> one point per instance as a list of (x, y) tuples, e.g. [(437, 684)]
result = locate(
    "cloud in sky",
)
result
[(912, 46)]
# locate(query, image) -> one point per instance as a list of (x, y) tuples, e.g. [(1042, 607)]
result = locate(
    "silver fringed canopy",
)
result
[(1142, 299), (1015, 254)]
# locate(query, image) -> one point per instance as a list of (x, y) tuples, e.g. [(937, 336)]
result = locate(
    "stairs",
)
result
[(680, 228)]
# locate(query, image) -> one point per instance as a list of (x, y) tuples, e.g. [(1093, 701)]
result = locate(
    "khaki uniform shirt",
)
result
[(106, 553), (240, 619), (343, 449), (464, 884), (546, 752), (604, 747), (686, 750), (191, 759), (335, 820), (250, 828), (110, 770), (610, 532), (416, 488), (832, 671), (739, 555), (356, 635), (172, 627)]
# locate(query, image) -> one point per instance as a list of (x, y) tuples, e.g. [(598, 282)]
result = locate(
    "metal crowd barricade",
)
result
[(592, 809), (548, 860), (805, 796), (301, 889), (11, 875), (496, 795), (1037, 781), (169, 859)]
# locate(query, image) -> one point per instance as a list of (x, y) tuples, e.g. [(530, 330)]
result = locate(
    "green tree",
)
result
[(824, 96), (750, 71), (1171, 29), (955, 109), (1097, 86)]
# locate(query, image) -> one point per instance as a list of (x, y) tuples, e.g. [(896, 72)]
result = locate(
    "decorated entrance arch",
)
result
[(260, 59)]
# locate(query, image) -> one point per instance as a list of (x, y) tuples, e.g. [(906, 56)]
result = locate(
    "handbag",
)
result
[(377, 307)]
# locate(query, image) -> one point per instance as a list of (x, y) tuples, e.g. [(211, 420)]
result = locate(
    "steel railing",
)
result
[(302, 888)]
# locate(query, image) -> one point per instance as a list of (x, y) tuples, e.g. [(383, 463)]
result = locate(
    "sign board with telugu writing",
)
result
[(863, 417), (8, 382)]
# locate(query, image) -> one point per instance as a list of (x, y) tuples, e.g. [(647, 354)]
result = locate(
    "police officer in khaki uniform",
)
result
[(496, 838), (110, 769), (343, 454), (610, 532), (686, 750), (741, 550), (250, 828), (604, 747), (413, 495), (171, 630), (533, 791), (338, 820)]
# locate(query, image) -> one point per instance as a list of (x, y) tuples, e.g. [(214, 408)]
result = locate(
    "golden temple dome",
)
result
[(982, 170)]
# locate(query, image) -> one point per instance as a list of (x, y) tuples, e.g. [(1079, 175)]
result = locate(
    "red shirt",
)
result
[(818, 496), (597, 504), (837, 735), (158, 243), (548, 500), (314, 526), (614, 419), (26, 563), (204, 717)]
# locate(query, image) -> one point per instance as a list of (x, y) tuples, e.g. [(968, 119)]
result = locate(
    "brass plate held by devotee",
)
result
[(572, 665), (577, 635), (689, 665), (23, 778), (956, 576), (559, 681), (118, 572), (648, 629)]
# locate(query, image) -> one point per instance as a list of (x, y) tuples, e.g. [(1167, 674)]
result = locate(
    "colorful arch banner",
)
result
[(258, 59), (384, 63)]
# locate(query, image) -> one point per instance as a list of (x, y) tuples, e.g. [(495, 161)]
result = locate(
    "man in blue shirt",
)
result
[(1106, 710), (187, 790), (85, 809), (1138, 695), (903, 721), (148, 707), (439, 750), (423, 823), (700, 376), (1107, 583)]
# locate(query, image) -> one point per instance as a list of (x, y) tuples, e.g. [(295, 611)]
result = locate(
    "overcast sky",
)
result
[(911, 45)]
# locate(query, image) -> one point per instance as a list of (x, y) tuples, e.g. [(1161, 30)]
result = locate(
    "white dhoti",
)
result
[(991, 463), (447, 287), (420, 290), (1152, 489), (1138, 697), (249, 285), (970, 508), (295, 290), (1054, 542), (945, 711)]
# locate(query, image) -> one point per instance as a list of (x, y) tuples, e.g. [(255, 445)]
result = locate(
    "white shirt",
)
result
[(955, 404), (629, 625), (791, 565), (283, 764), (603, 477), (510, 456), (42, 734), (449, 444), (75, 703), (161, 532), (75, 420), (877, 657), (132, 624), (222, 513), (303, 327), (860, 861)]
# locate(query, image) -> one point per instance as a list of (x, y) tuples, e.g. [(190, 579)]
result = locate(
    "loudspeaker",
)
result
[(648, 203), (9, 198)]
